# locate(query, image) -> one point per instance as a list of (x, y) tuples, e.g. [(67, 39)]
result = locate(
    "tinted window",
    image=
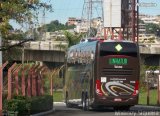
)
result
[(118, 48)]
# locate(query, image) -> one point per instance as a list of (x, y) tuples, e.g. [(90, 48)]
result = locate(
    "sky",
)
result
[(73, 8), (150, 10)]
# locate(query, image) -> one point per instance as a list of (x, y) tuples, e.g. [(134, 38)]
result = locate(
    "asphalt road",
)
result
[(61, 110)]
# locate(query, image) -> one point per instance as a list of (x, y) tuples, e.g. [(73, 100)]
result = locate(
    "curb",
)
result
[(44, 113), (142, 106), (149, 106), (59, 103)]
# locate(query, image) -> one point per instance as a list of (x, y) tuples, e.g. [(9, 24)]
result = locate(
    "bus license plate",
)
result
[(117, 99)]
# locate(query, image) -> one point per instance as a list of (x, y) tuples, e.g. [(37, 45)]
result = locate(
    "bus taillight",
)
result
[(136, 88), (98, 88)]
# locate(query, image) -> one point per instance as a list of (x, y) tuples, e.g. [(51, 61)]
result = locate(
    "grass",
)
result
[(152, 97), (58, 96)]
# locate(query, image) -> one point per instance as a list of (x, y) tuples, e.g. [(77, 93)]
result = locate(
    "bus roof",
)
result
[(127, 41), (94, 41)]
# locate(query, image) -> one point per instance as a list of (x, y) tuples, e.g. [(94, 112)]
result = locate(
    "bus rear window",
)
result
[(118, 48)]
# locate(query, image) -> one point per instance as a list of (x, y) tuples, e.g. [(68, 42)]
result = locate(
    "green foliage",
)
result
[(143, 68), (57, 82), (152, 98), (55, 26), (151, 67), (42, 103), (21, 11), (142, 77), (26, 105), (22, 106), (11, 54), (58, 96), (72, 38), (152, 28), (15, 36), (141, 21)]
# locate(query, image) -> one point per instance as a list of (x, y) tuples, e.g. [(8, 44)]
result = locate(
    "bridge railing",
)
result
[(145, 48), (43, 45), (149, 48)]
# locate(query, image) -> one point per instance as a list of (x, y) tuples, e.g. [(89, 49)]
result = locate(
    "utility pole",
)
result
[(43, 30)]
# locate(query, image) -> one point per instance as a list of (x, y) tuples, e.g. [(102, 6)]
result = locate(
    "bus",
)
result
[(101, 74)]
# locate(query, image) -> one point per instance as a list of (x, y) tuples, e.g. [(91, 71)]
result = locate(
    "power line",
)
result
[(88, 13)]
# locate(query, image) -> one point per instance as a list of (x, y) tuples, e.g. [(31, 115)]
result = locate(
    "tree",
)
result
[(56, 26), (19, 10), (152, 28), (141, 21), (72, 39)]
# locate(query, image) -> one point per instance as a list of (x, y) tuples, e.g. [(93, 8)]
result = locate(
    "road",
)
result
[(61, 110)]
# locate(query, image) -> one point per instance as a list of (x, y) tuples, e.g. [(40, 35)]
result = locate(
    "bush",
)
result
[(43, 103), (24, 105), (21, 106)]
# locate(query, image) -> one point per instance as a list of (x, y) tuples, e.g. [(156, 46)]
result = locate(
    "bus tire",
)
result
[(85, 102)]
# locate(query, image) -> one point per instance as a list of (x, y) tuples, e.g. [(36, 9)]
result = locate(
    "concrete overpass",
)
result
[(150, 53), (54, 52), (149, 48), (49, 52)]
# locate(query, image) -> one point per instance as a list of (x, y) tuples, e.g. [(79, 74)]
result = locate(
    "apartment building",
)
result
[(83, 26), (150, 18), (73, 21)]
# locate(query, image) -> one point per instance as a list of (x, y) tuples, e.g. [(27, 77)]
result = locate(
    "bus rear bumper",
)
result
[(115, 102)]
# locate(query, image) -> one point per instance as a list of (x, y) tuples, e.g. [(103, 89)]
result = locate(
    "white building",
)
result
[(149, 19), (55, 35), (83, 26)]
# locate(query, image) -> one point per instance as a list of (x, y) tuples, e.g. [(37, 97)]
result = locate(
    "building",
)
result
[(142, 28), (150, 19), (57, 35), (73, 21), (83, 26)]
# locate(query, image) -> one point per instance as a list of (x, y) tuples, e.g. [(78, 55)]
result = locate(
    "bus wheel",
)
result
[(85, 102)]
